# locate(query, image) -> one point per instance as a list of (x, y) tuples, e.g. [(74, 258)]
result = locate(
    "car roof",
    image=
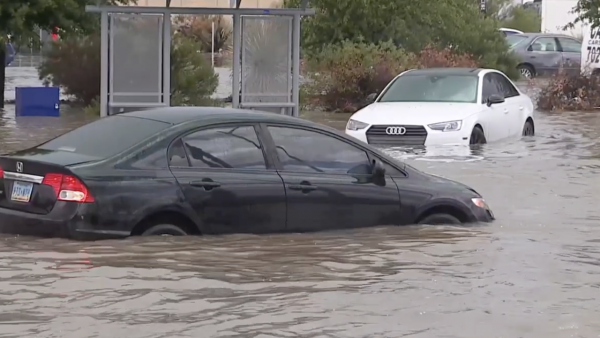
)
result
[(550, 35), (180, 115), (445, 71), (509, 30)]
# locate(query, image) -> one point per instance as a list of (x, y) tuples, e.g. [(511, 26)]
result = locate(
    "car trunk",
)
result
[(29, 179)]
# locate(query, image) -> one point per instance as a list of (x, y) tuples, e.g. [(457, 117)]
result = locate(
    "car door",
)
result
[(544, 55), (571, 53), (513, 104), (494, 117), (225, 177), (328, 183)]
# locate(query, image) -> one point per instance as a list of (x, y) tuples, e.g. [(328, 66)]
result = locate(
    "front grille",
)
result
[(414, 136)]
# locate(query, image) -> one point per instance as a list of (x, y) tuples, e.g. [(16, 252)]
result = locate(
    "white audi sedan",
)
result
[(444, 106)]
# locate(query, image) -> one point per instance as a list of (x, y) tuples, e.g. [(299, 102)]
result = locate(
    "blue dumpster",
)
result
[(37, 101)]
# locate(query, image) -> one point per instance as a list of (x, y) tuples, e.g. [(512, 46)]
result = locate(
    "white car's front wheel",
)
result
[(477, 136), (528, 129)]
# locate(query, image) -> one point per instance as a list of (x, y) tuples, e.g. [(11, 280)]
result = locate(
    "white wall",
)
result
[(556, 14)]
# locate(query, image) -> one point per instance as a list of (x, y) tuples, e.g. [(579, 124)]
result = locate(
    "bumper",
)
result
[(482, 215), (66, 220), (434, 137)]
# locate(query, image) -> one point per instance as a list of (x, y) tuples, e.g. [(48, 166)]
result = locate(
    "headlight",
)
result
[(356, 125), (446, 126), (480, 202)]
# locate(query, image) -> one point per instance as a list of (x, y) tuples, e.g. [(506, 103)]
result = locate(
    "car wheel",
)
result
[(164, 230), (528, 129), (477, 136), (526, 71), (440, 219)]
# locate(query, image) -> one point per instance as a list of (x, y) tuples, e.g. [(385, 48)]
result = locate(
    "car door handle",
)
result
[(302, 187), (532, 57), (207, 185), (505, 111), (520, 108)]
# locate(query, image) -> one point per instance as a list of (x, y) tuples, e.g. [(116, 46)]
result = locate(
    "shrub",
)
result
[(199, 29), (410, 24), (344, 75), (74, 65), (431, 57), (570, 92)]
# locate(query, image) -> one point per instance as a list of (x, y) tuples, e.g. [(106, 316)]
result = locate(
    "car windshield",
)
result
[(432, 88), (106, 137), (514, 40)]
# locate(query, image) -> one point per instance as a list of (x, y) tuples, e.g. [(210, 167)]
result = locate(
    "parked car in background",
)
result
[(444, 106), (510, 31), (544, 54), (204, 170)]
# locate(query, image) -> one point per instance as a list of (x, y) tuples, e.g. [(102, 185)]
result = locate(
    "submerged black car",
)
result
[(178, 171)]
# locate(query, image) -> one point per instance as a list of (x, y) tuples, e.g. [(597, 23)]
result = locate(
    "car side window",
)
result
[(177, 155), (506, 88), (570, 45), (546, 44), (488, 87), (232, 147), (302, 150)]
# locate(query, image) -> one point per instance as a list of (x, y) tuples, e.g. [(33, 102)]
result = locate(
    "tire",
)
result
[(527, 72), (164, 230), (528, 129), (477, 136), (440, 219)]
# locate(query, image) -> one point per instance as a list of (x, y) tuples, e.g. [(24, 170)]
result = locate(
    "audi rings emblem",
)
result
[(395, 130)]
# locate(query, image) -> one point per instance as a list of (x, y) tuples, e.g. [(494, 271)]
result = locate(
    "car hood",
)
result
[(417, 113), (443, 182)]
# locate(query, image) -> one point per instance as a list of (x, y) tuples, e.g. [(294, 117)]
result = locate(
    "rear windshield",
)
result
[(106, 137)]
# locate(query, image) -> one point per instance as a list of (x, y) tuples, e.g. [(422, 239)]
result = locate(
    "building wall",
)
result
[(211, 3)]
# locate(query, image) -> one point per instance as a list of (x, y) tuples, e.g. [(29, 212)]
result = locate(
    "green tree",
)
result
[(523, 19), (23, 18), (588, 11), (410, 24)]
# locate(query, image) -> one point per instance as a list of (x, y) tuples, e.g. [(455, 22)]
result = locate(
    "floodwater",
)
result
[(534, 273)]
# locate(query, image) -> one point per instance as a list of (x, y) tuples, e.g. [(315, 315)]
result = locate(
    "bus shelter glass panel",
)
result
[(266, 53), (135, 50)]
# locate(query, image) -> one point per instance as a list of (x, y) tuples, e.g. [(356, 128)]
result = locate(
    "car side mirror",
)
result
[(371, 97), (377, 169), (494, 99)]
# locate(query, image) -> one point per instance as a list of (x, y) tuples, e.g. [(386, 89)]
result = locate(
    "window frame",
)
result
[(561, 47), (530, 47), (509, 82), (483, 98), (179, 137), (492, 75), (272, 150)]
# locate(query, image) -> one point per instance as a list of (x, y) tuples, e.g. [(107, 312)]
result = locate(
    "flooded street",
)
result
[(533, 273)]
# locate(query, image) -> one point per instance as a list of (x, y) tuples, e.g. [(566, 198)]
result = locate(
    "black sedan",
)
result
[(180, 171)]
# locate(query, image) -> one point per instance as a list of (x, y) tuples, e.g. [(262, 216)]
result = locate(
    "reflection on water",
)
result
[(535, 272)]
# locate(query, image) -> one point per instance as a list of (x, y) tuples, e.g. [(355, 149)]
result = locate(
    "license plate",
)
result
[(21, 191)]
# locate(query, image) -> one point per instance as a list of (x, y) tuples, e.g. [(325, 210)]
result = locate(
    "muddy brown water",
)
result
[(535, 272)]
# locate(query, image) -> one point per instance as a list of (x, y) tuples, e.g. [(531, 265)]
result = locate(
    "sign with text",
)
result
[(590, 50)]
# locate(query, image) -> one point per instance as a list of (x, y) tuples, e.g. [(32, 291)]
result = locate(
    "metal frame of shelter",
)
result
[(125, 89)]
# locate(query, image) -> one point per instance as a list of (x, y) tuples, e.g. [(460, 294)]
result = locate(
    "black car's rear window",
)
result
[(106, 137)]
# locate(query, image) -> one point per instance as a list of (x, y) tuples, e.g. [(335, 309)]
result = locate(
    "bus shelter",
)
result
[(136, 52)]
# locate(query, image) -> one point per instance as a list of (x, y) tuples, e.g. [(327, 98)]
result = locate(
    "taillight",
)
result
[(1, 172), (68, 188)]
